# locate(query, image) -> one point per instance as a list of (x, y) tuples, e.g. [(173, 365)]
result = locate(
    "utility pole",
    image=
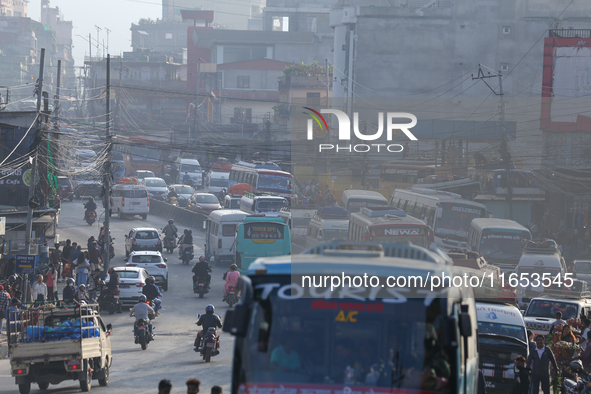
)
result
[(98, 41), (33, 179), (108, 31), (107, 175), (90, 46), (196, 99), (56, 100), (504, 149)]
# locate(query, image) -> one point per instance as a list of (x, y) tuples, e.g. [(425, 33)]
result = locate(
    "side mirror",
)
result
[(126, 236), (126, 259), (522, 311), (109, 329), (465, 325), (165, 259)]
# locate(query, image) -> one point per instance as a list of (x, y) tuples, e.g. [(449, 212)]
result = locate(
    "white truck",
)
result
[(49, 346)]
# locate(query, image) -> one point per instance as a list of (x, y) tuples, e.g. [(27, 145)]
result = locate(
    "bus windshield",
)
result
[(269, 205), (191, 168), (455, 220), (145, 154), (548, 309), (501, 244), (321, 343), (274, 182), (355, 204), (219, 182)]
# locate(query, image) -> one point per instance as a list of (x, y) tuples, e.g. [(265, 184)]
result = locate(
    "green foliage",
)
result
[(306, 70)]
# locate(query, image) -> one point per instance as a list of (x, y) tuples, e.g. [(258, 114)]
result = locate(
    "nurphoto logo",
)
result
[(345, 130)]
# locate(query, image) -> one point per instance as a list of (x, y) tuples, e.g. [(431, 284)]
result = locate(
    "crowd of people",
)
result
[(311, 194), (193, 387)]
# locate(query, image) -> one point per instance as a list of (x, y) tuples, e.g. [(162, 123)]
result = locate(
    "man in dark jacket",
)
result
[(541, 358), (69, 294), (210, 319), (202, 269)]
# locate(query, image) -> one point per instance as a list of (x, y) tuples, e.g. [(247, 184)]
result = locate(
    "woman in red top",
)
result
[(51, 280)]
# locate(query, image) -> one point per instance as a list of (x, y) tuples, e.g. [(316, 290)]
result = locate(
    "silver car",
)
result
[(142, 238)]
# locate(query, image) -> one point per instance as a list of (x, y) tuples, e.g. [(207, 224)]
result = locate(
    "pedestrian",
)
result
[(93, 279), (39, 290), (522, 379), (76, 250), (557, 322), (532, 343), (94, 256), (217, 390), (83, 269), (56, 258), (541, 359), (51, 282), (4, 304), (66, 255), (164, 386), (193, 386)]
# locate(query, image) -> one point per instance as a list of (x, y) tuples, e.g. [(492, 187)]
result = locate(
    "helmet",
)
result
[(70, 280), (82, 286), (233, 267), (90, 198), (201, 259), (143, 298), (210, 309), (151, 279), (170, 221), (186, 231)]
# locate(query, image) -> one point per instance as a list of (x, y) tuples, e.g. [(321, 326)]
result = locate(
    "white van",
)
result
[(544, 259), (329, 224), (220, 231), (502, 336), (215, 181), (130, 200), (192, 168)]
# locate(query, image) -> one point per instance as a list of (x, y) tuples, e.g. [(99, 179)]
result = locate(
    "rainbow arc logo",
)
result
[(318, 117)]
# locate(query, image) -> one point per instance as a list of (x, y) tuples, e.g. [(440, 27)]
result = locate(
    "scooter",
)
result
[(169, 243), (109, 300), (581, 385), (232, 296), (90, 217), (187, 254), (200, 286)]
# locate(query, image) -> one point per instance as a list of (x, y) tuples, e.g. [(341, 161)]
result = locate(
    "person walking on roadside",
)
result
[(51, 282), (94, 255), (39, 290), (164, 386), (56, 259), (541, 359)]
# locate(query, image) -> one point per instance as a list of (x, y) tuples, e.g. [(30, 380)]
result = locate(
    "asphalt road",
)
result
[(171, 355)]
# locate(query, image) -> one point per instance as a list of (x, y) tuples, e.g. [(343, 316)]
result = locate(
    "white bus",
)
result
[(262, 204), (447, 213), (354, 200), (499, 241)]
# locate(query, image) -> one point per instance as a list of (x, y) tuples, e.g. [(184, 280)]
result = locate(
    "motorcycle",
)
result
[(232, 296), (169, 243), (142, 330), (580, 386), (200, 286), (174, 201), (109, 299), (209, 345), (187, 254), (90, 217)]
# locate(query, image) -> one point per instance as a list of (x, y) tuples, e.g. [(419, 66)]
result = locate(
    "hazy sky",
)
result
[(115, 15)]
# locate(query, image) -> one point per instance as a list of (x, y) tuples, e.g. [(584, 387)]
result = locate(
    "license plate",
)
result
[(201, 284), (210, 344), (124, 286), (135, 203)]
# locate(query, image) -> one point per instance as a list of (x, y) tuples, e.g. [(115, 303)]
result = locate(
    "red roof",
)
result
[(263, 64)]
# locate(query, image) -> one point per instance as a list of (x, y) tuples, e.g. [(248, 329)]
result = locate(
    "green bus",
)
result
[(260, 236)]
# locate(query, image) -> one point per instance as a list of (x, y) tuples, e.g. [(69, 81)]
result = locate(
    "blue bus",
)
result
[(117, 165), (295, 334)]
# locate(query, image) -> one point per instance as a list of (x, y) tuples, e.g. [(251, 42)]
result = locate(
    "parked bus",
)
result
[(387, 225), (260, 236), (447, 213), (402, 332), (262, 203), (404, 174), (354, 200), (263, 180), (499, 241)]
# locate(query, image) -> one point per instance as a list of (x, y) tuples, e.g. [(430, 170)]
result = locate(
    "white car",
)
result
[(131, 283), (154, 263)]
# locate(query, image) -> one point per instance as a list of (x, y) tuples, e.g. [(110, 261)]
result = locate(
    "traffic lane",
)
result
[(171, 355)]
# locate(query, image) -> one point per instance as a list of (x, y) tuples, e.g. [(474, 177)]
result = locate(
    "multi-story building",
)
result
[(53, 18)]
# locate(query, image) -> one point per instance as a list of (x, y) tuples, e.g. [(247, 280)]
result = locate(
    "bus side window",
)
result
[(410, 208)]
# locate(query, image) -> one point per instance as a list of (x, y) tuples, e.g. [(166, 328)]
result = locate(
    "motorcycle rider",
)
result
[(69, 294), (141, 310), (113, 284), (152, 292), (170, 231), (210, 319), (186, 241), (172, 193), (202, 269), (231, 278), (90, 206)]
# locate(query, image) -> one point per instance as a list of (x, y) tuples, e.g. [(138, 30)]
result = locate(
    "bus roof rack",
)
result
[(406, 251), (432, 192), (542, 246), (252, 194), (333, 213), (377, 212)]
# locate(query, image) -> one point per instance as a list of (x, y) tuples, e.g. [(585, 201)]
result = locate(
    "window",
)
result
[(168, 36), (506, 30), (242, 115), (243, 82), (504, 67), (228, 230), (313, 99)]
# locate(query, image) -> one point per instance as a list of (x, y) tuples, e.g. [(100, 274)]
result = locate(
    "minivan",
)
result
[(542, 258), (192, 168), (130, 200), (220, 231)]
